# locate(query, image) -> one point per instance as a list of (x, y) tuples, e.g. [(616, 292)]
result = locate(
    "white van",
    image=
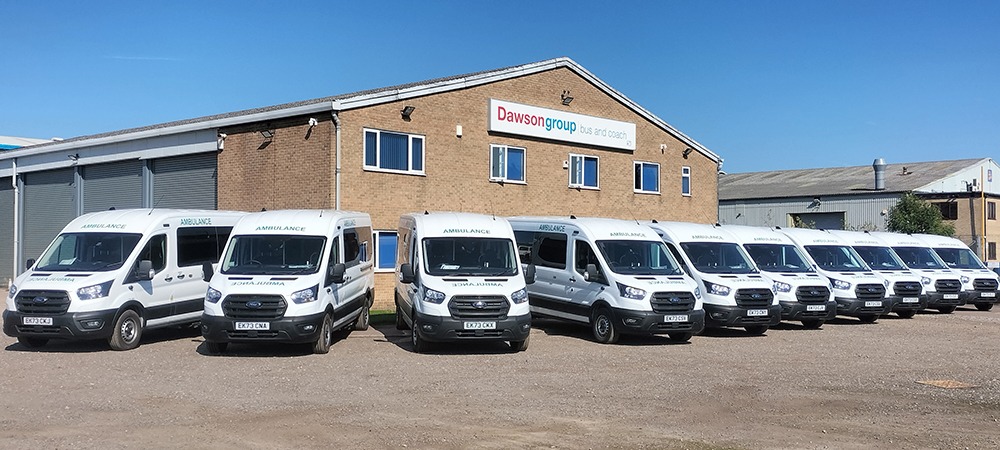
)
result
[(614, 275), (291, 276), (858, 291), (942, 286), (459, 278), (979, 284), (113, 274), (905, 290), (735, 293), (803, 294)]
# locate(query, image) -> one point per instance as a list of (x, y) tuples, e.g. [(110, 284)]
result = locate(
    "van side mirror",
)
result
[(30, 262), (335, 274), (529, 274), (591, 274), (145, 271), (406, 273), (207, 272)]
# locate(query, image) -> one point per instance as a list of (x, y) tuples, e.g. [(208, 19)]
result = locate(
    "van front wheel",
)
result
[(519, 346), (361, 323), (984, 306), (127, 332), (322, 345), (400, 322), (603, 326), (680, 337), (216, 348), (419, 344), (756, 330), (32, 342)]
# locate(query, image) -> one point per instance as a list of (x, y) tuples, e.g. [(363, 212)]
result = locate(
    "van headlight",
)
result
[(95, 291), (305, 295), (432, 296), (519, 296), (631, 292), (926, 281), (782, 287), (840, 284), (717, 289), (213, 296), (12, 292), (697, 292)]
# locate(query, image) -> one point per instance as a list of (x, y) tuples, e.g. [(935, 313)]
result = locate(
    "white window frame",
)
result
[(409, 152), (686, 174), (378, 250), (503, 178), (641, 190), (583, 158)]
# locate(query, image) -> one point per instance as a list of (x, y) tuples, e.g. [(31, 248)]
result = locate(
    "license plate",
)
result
[(988, 294), (911, 300), (815, 307), (951, 296), (36, 321), (480, 325), (872, 303), (756, 312), (677, 318), (253, 325)]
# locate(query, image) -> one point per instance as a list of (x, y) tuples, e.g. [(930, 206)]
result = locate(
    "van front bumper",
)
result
[(801, 311), (936, 299), (79, 325), (443, 329), (738, 316), (856, 307), (973, 297), (294, 330), (649, 322), (907, 303)]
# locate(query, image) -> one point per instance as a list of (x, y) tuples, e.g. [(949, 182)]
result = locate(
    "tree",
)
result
[(914, 215)]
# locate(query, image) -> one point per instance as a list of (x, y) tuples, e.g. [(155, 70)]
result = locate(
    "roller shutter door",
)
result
[(116, 185), (49, 204), (185, 181), (6, 230)]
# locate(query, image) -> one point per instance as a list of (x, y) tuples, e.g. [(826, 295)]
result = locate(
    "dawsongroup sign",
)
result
[(525, 120)]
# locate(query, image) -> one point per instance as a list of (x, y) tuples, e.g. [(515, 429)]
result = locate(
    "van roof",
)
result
[(936, 240), (141, 220), (597, 228), (446, 223), (297, 221), (808, 236), (693, 232), (899, 239), (859, 238), (753, 235)]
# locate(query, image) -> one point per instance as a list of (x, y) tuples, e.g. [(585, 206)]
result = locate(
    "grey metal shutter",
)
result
[(117, 184), (185, 181), (6, 230), (49, 204)]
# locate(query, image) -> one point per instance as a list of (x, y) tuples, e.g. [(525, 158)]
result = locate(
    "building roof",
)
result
[(901, 177), (358, 100), (12, 142)]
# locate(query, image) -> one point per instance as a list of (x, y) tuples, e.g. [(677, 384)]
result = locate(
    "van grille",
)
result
[(479, 307), (255, 307), (54, 303), (870, 291), (985, 284), (671, 302), (906, 288), (812, 294), (948, 286), (754, 298)]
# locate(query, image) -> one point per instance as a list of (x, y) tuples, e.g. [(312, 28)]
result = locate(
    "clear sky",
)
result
[(767, 85)]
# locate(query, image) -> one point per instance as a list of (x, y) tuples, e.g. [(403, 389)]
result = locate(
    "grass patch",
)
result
[(382, 316)]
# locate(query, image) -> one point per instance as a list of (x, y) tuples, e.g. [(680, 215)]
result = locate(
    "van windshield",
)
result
[(717, 257), (919, 257), (778, 258), (959, 258), (273, 255), (469, 256), (639, 257), (836, 258), (880, 258), (88, 252)]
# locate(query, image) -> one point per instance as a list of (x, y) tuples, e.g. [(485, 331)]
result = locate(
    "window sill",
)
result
[(389, 270), (585, 188), (503, 181), (646, 192), (399, 172), (685, 195)]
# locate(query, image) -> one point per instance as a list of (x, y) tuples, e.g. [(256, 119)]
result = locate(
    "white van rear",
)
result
[(905, 289), (979, 284), (291, 276), (942, 286), (113, 274)]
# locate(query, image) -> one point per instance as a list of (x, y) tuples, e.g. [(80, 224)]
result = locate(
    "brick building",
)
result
[(542, 138)]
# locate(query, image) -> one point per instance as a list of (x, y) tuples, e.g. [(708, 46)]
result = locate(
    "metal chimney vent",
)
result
[(879, 166)]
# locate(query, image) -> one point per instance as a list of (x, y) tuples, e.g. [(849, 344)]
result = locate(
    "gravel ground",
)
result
[(845, 386)]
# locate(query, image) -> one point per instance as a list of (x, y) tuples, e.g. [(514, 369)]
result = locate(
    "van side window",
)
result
[(586, 255), (356, 248), (550, 250), (677, 256), (197, 245), (402, 246), (524, 239), (155, 251)]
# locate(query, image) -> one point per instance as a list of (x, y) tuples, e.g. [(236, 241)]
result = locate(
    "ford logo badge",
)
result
[(871, 289), (755, 296), (253, 304), (675, 300), (813, 292), (40, 299), (479, 304)]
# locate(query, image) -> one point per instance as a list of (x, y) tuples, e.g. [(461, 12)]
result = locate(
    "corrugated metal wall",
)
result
[(186, 181), (117, 185), (49, 204), (859, 213), (6, 231)]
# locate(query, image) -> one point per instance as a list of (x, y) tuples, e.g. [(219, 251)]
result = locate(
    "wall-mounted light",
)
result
[(75, 157), (815, 203), (407, 110), (268, 134), (220, 143), (687, 152), (313, 122), (566, 98)]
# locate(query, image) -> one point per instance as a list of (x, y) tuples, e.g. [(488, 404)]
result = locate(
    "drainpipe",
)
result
[(17, 241), (336, 121)]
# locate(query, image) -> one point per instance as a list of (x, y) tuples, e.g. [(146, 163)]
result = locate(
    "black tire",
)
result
[(363, 320), (602, 324), (868, 318), (984, 306), (756, 330), (216, 348), (906, 313), (33, 342), (520, 346), (813, 324), (946, 309), (127, 331), (322, 344), (680, 337), (400, 322), (419, 344)]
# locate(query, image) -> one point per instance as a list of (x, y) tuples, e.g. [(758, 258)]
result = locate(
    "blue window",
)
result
[(685, 180), (385, 250), (506, 163), (394, 152), (647, 177), (583, 171)]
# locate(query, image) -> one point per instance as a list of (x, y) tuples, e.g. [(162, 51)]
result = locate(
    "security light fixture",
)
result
[(268, 134), (566, 98), (407, 110), (687, 152)]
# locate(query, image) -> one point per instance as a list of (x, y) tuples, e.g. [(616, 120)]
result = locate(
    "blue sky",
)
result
[(768, 85)]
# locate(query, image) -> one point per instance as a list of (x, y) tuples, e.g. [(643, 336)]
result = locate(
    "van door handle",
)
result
[(168, 279), (180, 276)]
